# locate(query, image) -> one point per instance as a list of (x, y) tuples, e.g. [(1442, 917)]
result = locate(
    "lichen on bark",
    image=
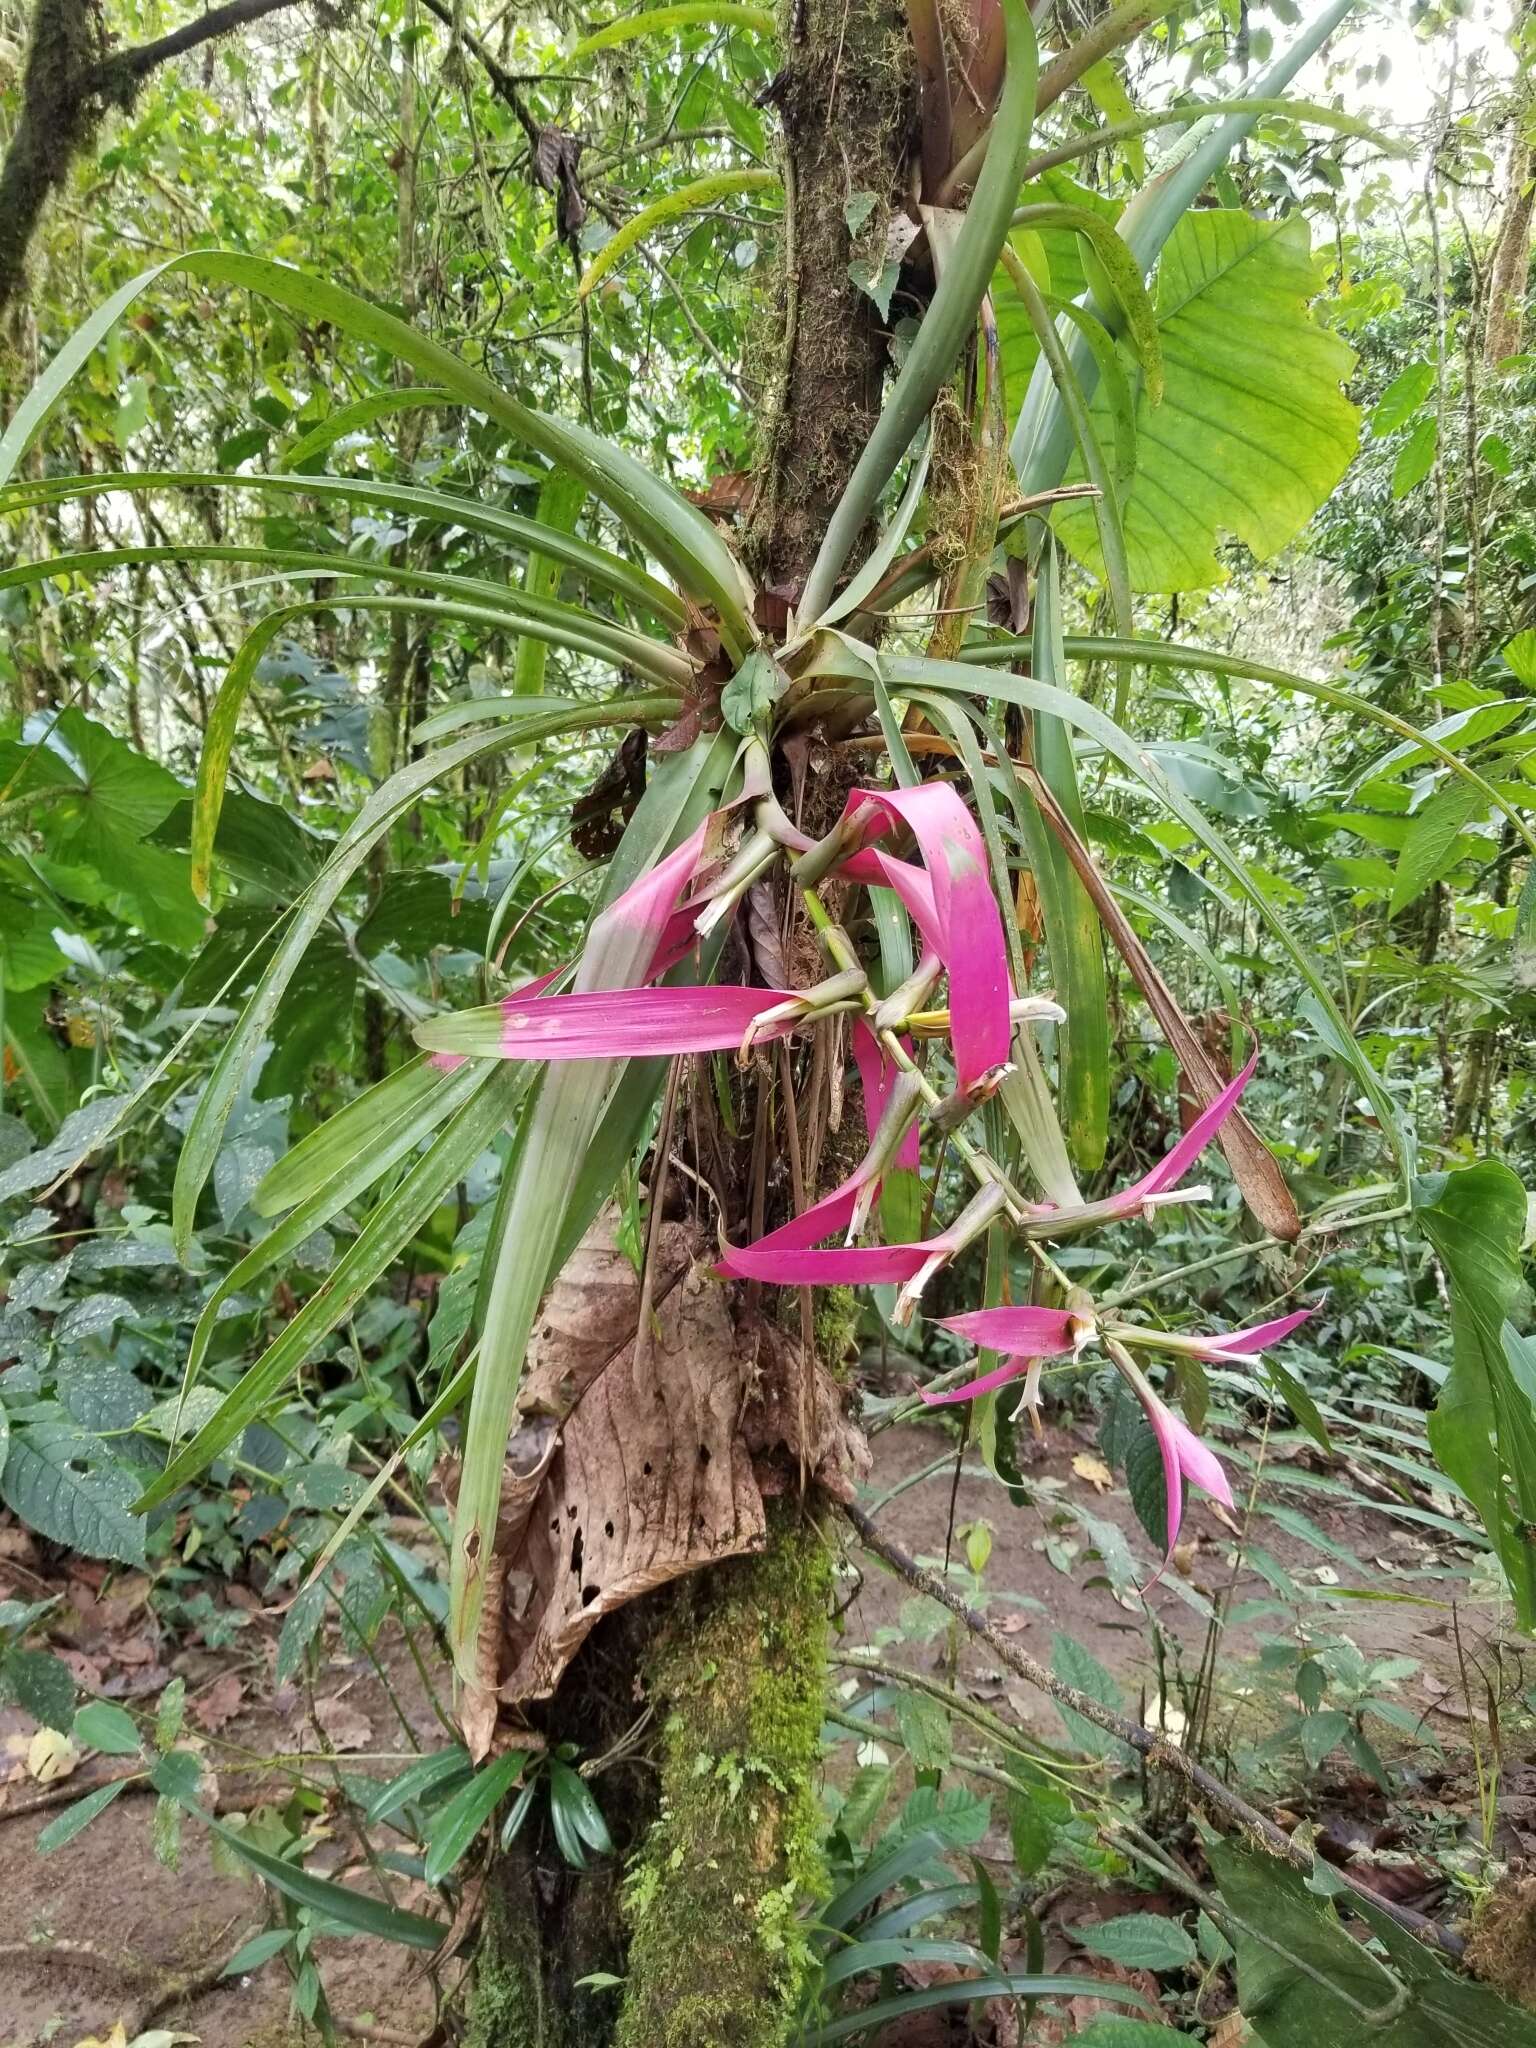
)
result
[(717, 1954)]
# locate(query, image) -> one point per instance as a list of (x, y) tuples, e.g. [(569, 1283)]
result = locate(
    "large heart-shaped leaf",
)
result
[(1254, 429)]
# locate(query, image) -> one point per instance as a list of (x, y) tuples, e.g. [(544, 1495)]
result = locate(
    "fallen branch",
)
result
[(64, 1791), (1218, 1799)]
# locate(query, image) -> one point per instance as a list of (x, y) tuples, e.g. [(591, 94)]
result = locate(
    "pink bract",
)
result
[(1184, 1457), (628, 1023), (952, 905), (1027, 1334)]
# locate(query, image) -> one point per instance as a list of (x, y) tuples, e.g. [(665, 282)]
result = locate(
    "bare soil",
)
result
[(101, 1932)]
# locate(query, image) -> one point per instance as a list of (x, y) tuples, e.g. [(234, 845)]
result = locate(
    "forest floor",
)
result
[(101, 1932)]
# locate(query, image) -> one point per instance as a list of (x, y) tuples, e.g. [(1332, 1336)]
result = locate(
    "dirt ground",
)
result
[(101, 1933)]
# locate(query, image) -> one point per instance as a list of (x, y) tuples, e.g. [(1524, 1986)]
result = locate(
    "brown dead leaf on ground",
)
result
[(1079, 2013), (134, 1651), (218, 1703), (339, 1723), (1231, 2032), (1094, 1470), (84, 1670)]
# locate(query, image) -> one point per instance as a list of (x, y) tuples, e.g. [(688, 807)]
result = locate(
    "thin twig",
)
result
[(1217, 1798)]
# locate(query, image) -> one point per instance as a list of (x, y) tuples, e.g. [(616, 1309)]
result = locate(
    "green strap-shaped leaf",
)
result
[(690, 198), (1073, 935), (549, 1176), (951, 315), (546, 618), (371, 1148), (390, 801), (457, 1822), (361, 413), (561, 497), (1118, 272), (962, 1992), (1426, 745), (224, 718), (1306, 113), (446, 508), (657, 21), (315, 1161), (336, 1902), (675, 531), (390, 1226), (1106, 510)]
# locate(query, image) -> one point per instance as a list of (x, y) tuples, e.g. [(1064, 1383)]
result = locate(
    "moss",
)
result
[(507, 2005), (1501, 1948), (837, 1323), (717, 1957)]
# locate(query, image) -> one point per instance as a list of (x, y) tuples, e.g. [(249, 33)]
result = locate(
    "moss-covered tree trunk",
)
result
[(714, 1809)]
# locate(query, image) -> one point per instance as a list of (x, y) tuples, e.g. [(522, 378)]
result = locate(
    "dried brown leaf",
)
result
[(634, 1463), (219, 1704)]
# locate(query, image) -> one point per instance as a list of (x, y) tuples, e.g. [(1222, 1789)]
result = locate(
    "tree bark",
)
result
[(1510, 268), (848, 96), (69, 85), (1509, 274)]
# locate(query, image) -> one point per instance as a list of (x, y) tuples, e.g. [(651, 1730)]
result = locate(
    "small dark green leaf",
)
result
[(1311, 1684), (456, 1824), (40, 1685), (925, 1731), (1402, 398), (571, 1797), (1416, 457), (753, 691), (65, 1826), (1030, 1831), (101, 1725), (261, 1948), (1322, 1733)]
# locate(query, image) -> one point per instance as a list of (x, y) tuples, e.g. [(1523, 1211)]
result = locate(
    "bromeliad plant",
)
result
[(942, 1029)]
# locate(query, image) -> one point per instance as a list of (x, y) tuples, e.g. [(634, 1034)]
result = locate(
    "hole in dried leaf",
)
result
[(589, 1594), (576, 1554)]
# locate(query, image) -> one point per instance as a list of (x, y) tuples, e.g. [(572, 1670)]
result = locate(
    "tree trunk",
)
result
[(716, 1825), (1509, 270), (848, 95), (69, 84), (1509, 274), (60, 112)]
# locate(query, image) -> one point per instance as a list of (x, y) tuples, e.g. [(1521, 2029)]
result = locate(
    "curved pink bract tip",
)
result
[(952, 905)]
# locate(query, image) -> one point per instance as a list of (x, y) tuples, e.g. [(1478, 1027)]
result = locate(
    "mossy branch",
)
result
[(68, 87)]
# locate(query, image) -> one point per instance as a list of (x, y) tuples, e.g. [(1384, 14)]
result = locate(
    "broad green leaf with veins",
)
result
[(1254, 430), (1483, 1429)]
